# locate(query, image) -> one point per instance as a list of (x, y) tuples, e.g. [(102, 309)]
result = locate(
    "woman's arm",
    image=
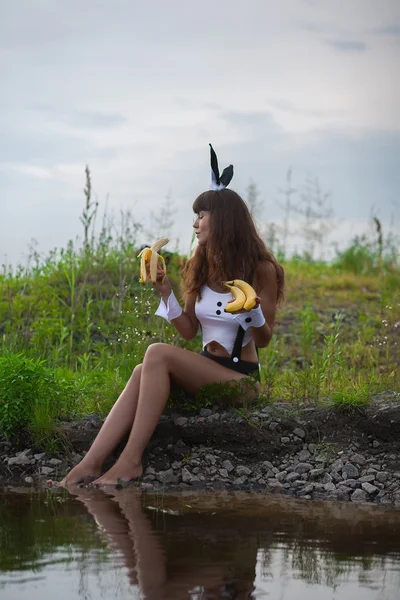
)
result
[(186, 322), (267, 290)]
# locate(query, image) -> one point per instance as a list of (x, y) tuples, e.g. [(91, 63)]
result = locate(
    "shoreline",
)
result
[(308, 452)]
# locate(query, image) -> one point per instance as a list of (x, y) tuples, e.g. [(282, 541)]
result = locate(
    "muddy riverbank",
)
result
[(308, 452)]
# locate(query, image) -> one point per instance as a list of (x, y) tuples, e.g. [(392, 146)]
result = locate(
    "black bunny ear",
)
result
[(226, 176), (214, 166), (217, 182)]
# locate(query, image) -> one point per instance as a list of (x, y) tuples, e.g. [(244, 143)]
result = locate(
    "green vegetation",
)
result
[(74, 326)]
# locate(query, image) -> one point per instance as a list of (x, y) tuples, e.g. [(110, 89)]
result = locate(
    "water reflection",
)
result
[(231, 546)]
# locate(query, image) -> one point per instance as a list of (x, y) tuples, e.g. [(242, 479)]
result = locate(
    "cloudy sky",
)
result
[(137, 90)]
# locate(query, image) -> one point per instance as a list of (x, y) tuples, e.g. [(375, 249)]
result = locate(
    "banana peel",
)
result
[(244, 296), (151, 256)]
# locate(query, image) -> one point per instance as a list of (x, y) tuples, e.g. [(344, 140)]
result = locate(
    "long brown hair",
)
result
[(234, 248)]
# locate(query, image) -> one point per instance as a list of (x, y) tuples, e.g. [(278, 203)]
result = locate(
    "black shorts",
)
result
[(242, 366)]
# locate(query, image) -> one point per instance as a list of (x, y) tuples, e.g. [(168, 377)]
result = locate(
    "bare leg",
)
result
[(115, 427), (163, 363)]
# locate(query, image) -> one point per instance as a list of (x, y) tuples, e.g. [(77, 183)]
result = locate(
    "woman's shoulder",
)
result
[(265, 271)]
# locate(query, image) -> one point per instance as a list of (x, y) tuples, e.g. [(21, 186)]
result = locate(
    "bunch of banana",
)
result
[(150, 255), (244, 296)]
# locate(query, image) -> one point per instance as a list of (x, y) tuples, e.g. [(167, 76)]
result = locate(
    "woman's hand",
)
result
[(162, 284)]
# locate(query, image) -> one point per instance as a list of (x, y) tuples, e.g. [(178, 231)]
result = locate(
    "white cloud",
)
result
[(138, 90)]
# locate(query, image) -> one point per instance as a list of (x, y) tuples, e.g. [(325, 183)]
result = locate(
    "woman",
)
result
[(228, 248)]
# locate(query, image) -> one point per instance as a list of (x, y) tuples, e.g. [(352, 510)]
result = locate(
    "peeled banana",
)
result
[(150, 255), (244, 296)]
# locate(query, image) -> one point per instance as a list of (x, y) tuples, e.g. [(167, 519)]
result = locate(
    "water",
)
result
[(91, 545)]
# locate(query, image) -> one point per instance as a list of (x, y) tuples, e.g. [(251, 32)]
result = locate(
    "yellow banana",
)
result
[(150, 255), (248, 291), (239, 299)]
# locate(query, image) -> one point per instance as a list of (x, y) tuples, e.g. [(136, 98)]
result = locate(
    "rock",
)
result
[(28, 479), (303, 455), (240, 480), (367, 479), (274, 485), (370, 489), (291, 477), (299, 433), (224, 473), (39, 456), (187, 476), (337, 465), (315, 473), (228, 466), (180, 421), (241, 470), (382, 477), (306, 490), (285, 440), (46, 470), (167, 476), (349, 471), (54, 461), (205, 412), (210, 459), (281, 476), (19, 460), (303, 467), (358, 459), (358, 496)]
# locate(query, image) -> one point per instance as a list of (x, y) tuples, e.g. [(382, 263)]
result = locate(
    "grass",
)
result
[(73, 327)]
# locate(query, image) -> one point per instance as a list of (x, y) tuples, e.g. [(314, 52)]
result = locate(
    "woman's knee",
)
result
[(156, 353)]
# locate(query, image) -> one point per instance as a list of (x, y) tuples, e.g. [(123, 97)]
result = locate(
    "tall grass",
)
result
[(74, 325)]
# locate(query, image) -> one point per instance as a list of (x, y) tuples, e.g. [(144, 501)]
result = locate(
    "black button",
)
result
[(219, 303), (218, 312), (248, 320)]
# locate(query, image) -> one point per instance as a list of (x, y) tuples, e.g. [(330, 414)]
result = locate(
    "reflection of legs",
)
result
[(117, 424), (110, 521), (150, 556), (163, 364)]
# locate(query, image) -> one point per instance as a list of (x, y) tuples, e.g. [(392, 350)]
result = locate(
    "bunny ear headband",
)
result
[(217, 182)]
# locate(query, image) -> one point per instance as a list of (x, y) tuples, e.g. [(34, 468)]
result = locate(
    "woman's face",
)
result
[(202, 226)]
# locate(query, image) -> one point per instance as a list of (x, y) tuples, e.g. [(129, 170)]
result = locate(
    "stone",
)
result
[(285, 440), (299, 432), (358, 496), (370, 489), (167, 476), (382, 477), (349, 471), (306, 490), (303, 455), (205, 412), (303, 467), (210, 459), (46, 470), (274, 485), (358, 459), (19, 460), (240, 480), (337, 465), (315, 473), (291, 477), (228, 466), (241, 470), (180, 421), (39, 456), (54, 461), (268, 465), (366, 479), (281, 476)]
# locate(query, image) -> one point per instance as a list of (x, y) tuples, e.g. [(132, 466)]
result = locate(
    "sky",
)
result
[(137, 90)]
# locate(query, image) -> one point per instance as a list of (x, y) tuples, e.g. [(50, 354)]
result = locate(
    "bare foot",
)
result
[(77, 475), (122, 470)]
